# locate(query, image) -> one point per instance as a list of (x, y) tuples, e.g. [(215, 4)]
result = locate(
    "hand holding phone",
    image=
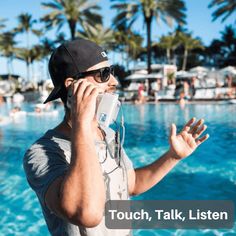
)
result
[(81, 100), (106, 106)]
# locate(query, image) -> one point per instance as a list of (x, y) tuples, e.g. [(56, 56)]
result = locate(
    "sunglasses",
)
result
[(101, 75)]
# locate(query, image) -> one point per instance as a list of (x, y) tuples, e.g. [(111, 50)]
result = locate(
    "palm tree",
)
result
[(134, 46), (214, 53), (229, 39), (223, 52), (2, 23), (224, 10), (60, 38), (189, 44), (129, 43), (70, 12), (7, 49), (29, 55), (170, 43), (228, 46), (149, 9), (98, 34), (46, 48), (26, 23)]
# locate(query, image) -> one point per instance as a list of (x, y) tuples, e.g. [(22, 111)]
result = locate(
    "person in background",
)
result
[(1, 100)]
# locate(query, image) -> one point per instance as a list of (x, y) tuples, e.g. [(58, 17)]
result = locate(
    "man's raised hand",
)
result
[(185, 142)]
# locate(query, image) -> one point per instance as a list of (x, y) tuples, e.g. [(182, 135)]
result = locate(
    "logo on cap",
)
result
[(103, 54)]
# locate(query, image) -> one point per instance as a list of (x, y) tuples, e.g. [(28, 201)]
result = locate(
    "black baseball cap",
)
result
[(69, 59)]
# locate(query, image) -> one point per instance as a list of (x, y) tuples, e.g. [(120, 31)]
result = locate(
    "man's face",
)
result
[(110, 85)]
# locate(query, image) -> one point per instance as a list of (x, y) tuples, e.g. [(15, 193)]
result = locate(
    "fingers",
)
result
[(75, 85), (202, 139), (88, 90), (83, 89), (199, 131), (173, 130), (196, 126), (188, 125)]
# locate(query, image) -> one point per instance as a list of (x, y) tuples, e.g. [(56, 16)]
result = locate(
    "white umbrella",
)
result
[(199, 69), (228, 69), (185, 74), (137, 76)]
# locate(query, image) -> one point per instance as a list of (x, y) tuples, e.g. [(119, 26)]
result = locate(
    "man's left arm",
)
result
[(181, 146)]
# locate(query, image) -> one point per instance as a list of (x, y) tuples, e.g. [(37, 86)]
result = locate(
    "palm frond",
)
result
[(225, 8)]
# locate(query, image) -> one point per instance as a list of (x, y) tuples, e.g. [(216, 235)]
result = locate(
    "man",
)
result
[(73, 168)]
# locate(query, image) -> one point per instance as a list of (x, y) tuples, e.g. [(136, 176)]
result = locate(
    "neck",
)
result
[(65, 127)]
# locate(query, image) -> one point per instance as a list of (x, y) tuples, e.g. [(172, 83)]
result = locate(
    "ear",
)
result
[(68, 82)]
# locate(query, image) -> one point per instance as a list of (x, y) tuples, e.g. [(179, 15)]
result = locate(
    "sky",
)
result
[(199, 22)]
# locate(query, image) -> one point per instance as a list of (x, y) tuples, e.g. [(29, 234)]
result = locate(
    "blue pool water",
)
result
[(209, 173)]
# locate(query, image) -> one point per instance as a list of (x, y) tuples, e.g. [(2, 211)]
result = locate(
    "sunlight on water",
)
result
[(210, 173)]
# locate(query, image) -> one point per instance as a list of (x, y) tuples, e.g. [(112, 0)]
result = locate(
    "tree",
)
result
[(149, 9), (98, 34), (214, 53), (228, 45), (222, 52), (189, 44), (29, 55), (60, 38), (170, 43), (7, 49), (121, 74), (2, 23), (229, 40), (70, 12), (224, 10), (26, 24), (129, 43)]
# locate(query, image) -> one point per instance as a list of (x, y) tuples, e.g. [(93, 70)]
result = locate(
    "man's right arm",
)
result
[(79, 196)]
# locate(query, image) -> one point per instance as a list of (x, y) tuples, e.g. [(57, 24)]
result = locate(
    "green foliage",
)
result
[(2, 23), (129, 12), (7, 47), (225, 8), (7, 44), (70, 12), (121, 74), (98, 34), (222, 52)]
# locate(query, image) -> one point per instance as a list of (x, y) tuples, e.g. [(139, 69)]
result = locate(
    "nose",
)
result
[(112, 81)]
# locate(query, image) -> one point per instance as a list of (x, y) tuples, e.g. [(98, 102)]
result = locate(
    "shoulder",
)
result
[(47, 150), (45, 161)]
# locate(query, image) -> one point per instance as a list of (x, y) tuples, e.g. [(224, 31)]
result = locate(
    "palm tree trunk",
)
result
[(28, 59), (127, 57), (27, 70), (72, 25), (11, 64), (174, 58), (168, 55), (185, 59), (27, 40), (32, 71), (149, 51), (8, 68)]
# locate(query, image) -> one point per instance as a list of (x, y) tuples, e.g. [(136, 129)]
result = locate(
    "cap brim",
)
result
[(54, 94)]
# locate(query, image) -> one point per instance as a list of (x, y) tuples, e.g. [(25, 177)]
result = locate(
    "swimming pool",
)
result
[(210, 173)]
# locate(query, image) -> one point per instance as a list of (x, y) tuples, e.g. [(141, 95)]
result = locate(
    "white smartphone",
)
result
[(107, 108)]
